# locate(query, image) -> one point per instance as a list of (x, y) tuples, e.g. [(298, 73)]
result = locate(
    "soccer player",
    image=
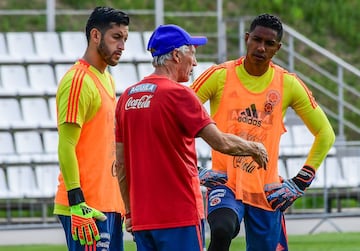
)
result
[(249, 97), (88, 201), (157, 121)]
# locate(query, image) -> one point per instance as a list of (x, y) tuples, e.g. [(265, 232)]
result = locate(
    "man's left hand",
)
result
[(210, 178)]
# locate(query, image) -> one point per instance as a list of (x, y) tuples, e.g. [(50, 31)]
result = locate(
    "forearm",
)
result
[(68, 135), (230, 144), (324, 137), (121, 175), (237, 146)]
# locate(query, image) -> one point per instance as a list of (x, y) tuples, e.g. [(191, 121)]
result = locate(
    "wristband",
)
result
[(304, 178), (75, 196), (128, 215)]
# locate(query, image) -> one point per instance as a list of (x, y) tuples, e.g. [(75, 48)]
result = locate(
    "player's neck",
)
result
[(255, 69)]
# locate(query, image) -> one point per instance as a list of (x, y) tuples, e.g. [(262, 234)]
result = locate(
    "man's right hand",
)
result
[(260, 154)]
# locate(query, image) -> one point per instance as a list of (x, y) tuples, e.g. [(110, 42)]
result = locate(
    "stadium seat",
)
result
[(3, 46), (52, 109), (22, 182), (14, 80), (146, 37), (7, 144), (42, 78), (50, 141), (47, 179), (21, 47), (3, 185), (145, 69), (36, 112), (287, 139), (302, 136), (328, 174), (134, 49), (282, 169), (28, 142), (351, 169), (60, 70), (73, 44), (203, 151), (334, 175), (10, 113), (4, 54), (124, 74), (293, 165), (7, 148), (47, 46)]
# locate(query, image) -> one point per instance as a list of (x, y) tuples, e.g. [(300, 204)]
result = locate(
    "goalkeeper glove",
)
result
[(210, 178), (282, 195), (83, 225)]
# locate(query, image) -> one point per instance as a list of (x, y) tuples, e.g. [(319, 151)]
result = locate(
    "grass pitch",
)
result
[(315, 242)]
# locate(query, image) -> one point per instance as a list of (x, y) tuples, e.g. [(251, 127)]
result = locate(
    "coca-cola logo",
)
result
[(138, 103)]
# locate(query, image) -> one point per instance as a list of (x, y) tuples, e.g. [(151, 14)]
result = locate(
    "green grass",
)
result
[(315, 242)]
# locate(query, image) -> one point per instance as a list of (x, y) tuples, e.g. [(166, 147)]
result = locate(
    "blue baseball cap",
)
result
[(168, 37)]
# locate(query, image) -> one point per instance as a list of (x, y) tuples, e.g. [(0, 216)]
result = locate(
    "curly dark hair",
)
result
[(268, 21), (103, 18)]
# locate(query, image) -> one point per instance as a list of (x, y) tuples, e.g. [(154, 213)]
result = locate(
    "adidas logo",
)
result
[(85, 210), (250, 116)]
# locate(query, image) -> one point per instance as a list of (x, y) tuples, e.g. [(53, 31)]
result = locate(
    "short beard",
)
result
[(103, 51)]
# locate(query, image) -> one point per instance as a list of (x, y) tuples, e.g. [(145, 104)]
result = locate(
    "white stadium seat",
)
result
[(282, 169), (21, 47), (146, 37), (47, 46), (28, 142), (14, 80), (145, 69), (36, 112), (52, 109), (42, 78), (50, 141), (124, 74), (73, 44), (302, 136), (3, 185), (3, 46), (10, 113), (6, 144), (134, 48), (7, 148), (47, 179), (60, 70), (22, 182), (4, 54), (203, 151), (334, 175), (351, 170)]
